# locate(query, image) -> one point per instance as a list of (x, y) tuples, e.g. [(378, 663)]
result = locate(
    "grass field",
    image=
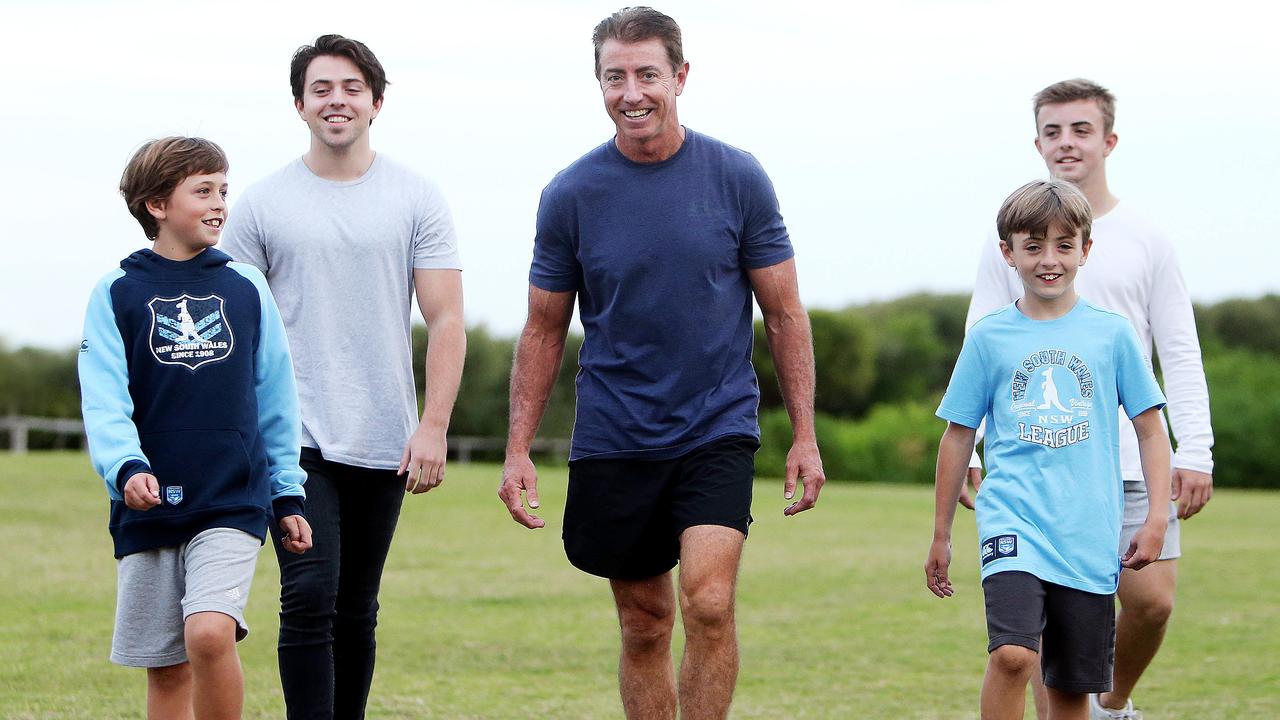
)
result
[(483, 619)]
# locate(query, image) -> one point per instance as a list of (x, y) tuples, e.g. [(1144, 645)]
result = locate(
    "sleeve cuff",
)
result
[(128, 470), (286, 505), (1196, 464)]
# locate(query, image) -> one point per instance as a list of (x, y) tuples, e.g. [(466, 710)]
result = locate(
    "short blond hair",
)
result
[(1035, 206), (1078, 89)]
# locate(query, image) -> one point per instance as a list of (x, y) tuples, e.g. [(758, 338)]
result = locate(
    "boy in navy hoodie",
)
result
[(191, 411)]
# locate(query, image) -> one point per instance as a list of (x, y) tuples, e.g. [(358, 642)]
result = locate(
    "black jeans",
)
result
[(329, 594)]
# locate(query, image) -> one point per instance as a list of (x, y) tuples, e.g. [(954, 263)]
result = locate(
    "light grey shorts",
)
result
[(157, 590), (1135, 514)]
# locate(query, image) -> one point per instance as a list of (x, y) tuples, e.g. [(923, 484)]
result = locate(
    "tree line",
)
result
[(881, 370)]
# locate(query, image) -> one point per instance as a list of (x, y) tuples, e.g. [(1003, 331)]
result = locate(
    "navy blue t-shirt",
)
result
[(658, 254)]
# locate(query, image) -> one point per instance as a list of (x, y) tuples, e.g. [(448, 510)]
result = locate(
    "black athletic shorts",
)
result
[(1078, 628), (623, 517)]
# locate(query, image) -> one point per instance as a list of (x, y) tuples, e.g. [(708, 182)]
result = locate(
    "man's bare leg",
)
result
[(1146, 603), (646, 615), (1004, 689), (709, 557)]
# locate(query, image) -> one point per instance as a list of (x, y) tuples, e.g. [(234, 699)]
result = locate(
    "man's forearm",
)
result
[(791, 345), (445, 357), (533, 374)]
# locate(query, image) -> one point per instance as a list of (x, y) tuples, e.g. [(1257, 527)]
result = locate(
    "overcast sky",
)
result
[(891, 130)]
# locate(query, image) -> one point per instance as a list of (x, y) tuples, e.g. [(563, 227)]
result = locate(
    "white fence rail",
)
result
[(19, 428)]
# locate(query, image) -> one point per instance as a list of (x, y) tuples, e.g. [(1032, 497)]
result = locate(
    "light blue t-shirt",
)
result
[(1049, 391)]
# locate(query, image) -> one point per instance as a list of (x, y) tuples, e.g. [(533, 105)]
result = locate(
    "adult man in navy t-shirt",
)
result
[(663, 235)]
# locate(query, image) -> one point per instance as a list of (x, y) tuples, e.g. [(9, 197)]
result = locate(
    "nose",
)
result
[(631, 91)]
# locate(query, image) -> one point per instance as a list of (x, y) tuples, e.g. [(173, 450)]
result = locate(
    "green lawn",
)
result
[(483, 619)]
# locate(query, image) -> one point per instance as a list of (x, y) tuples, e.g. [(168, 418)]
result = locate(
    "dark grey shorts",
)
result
[(1078, 628)]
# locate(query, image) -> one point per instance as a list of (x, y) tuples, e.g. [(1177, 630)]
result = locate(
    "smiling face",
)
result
[(640, 89), (337, 103), (1047, 262), (191, 218), (1073, 140)]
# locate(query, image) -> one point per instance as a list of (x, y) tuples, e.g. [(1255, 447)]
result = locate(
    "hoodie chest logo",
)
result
[(189, 331)]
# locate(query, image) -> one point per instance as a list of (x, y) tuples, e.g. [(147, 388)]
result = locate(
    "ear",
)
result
[(297, 105), (1038, 150), (156, 208), (1109, 144), (1084, 250), (1007, 252), (377, 108), (682, 75)]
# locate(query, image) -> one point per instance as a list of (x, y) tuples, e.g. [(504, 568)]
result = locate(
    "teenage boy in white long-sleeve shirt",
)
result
[(1132, 271)]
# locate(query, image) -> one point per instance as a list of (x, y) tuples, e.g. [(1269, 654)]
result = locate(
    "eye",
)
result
[(223, 193)]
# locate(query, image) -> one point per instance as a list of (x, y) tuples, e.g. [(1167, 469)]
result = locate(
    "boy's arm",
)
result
[(279, 420), (1153, 446), (1173, 328), (953, 465), (105, 403)]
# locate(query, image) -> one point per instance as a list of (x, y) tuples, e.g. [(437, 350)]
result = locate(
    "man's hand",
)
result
[(935, 569), (520, 478), (973, 477), (297, 534), (1145, 546), (423, 460), (1192, 490), (142, 491), (804, 464)]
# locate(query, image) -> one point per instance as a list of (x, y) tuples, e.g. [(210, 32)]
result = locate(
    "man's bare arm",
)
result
[(786, 325), (533, 375), (439, 294)]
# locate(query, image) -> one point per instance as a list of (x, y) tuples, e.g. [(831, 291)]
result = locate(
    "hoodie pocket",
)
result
[(197, 469)]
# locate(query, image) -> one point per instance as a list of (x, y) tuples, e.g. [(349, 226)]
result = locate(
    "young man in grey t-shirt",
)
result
[(346, 239)]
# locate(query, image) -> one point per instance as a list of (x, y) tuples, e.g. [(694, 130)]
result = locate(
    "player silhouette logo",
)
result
[(186, 325), (1050, 389)]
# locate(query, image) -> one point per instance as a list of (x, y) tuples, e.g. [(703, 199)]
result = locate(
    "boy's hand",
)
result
[(142, 491), (935, 569), (297, 534), (1192, 490), (974, 477), (1145, 547)]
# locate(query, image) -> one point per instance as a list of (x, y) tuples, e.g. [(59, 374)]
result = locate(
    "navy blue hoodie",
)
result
[(185, 374)]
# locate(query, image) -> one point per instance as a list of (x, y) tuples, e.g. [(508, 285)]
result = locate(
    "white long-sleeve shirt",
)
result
[(1132, 270)]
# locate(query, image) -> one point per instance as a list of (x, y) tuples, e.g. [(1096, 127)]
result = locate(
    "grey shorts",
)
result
[(157, 590), (1135, 514)]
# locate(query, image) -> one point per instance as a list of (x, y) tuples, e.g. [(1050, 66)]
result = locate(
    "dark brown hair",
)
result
[(636, 24), (161, 165), (1078, 89), (1035, 206), (338, 46)]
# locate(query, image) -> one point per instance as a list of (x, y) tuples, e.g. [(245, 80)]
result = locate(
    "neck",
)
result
[(654, 150), (1098, 194), (1038, 308), (347, 163), (170, 249)]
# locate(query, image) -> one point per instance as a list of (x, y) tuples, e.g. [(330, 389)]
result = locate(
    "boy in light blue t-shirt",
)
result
[(1048, 374)]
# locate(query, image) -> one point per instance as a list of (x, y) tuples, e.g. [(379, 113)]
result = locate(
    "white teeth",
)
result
[(213, 222), (635, 113), (335, 119)]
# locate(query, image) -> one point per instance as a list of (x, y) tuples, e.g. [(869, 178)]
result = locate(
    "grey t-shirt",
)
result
[(339, 257)]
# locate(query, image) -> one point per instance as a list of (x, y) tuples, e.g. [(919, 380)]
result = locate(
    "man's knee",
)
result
[(708, 608), (646, 620), (1014, 661), (1147, 599)]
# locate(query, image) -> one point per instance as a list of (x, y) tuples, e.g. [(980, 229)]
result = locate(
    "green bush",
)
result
[(894, 443), (1246, 418)]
